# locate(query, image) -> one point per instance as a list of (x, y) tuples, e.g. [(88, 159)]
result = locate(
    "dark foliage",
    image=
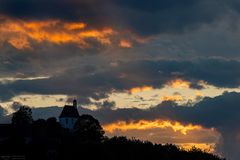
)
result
[(22, 117), (47, 140), (21, 126), (88, 130)]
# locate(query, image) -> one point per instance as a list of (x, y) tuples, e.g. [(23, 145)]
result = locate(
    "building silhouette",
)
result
[(69, 116)]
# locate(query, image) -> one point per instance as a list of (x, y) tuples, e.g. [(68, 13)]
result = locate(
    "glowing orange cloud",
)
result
[(144, 124), (172, 98), (140, 89), (179, 83), (125, 44), (210, 148), (20, 34), (19, 43), (75, 26), (101, 36)]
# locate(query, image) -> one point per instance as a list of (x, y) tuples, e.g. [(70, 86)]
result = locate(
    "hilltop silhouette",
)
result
[(47, 139)]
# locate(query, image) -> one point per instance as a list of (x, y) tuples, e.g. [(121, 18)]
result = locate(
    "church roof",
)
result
[(69, 111)]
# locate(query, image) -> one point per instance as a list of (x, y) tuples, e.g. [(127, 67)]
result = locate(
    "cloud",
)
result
[(125, 44), (179, 83), (172, 98), (160, 131), (3, 117), (14, 79), (59, 47), (221, 112), (143, 125), (20, 33), (68, 10), (108, 104), (1, 111), (134, 76), (222, 107), (140, 89), (158, 16)]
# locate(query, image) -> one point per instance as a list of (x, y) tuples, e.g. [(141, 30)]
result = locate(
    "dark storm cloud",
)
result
[(87, 81), (219, 112), (217, 72), (171, 16), (45, 59), (85, 10)]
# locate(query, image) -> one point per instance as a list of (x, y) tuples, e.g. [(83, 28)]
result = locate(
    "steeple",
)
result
[(75, 103)]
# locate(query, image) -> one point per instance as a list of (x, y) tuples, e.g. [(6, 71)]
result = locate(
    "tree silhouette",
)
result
[(23, 117), (21, 126), (88, 130)]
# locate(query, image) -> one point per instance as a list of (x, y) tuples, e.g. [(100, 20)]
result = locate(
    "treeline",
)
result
[(47, 140)]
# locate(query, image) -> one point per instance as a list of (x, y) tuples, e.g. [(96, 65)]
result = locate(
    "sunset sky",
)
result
[(167, 71)]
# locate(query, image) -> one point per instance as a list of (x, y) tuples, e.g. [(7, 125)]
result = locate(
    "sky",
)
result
[(164, 71)]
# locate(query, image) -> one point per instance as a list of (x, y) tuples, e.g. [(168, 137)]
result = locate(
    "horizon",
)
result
[(163, 71)]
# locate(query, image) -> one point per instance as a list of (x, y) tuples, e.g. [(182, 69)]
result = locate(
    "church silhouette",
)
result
[(69, 116)]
